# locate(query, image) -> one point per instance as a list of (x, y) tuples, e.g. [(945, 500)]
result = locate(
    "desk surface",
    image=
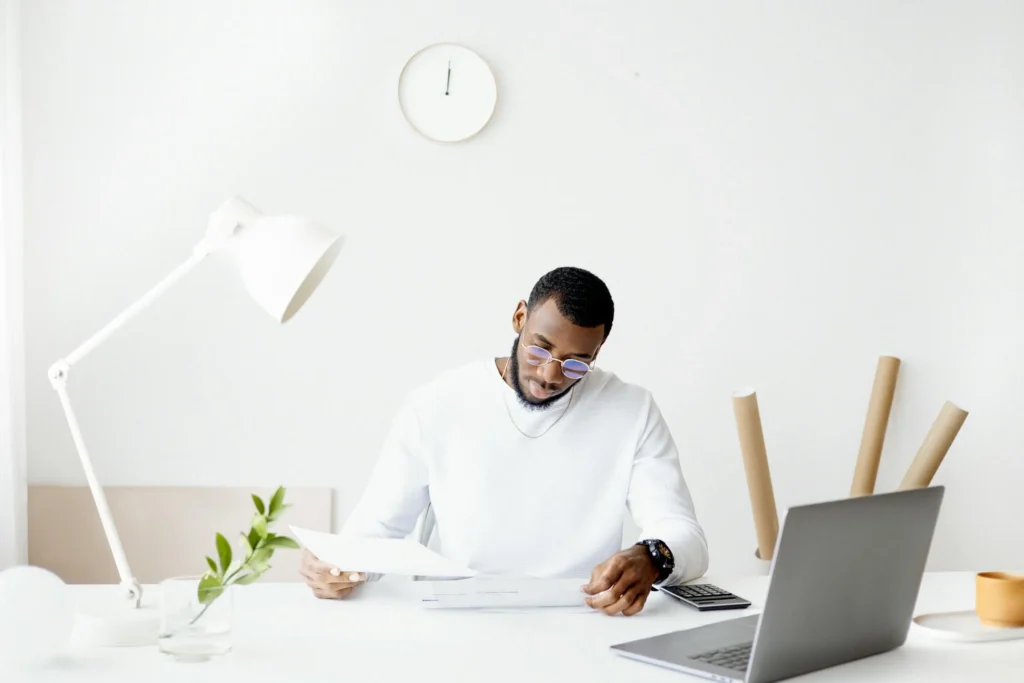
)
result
[(284, 634)]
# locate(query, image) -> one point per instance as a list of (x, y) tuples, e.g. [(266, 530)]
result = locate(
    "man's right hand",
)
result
[(327, 582)]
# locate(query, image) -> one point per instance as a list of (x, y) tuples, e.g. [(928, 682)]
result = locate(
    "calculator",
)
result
[(705, 596)]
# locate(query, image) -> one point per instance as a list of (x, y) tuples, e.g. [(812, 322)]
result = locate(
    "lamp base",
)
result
[(117, 626)]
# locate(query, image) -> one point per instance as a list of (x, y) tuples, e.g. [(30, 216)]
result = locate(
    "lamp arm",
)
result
[(58, 375), (142, 304)]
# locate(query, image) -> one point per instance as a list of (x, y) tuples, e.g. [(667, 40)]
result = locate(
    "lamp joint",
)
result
[(133, 593), (58, 373)]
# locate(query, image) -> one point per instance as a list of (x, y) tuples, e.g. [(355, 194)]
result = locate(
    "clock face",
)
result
[(447, 92)]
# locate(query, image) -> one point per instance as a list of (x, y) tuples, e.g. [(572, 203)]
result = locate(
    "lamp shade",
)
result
[(282, 259)]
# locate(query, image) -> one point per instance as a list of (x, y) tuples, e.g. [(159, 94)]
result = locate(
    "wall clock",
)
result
[(447, 92)]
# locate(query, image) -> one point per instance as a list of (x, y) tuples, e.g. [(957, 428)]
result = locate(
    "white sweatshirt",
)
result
[(545, 507)]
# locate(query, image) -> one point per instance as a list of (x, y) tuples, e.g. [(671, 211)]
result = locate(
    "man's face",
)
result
[(547, 328)]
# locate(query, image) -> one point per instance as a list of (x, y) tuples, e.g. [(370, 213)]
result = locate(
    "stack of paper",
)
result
[(498, 593)]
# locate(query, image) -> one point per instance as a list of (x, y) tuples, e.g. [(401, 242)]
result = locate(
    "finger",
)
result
[(334, 585), (333, 591), (352, 577), (342, 592), (330, 578), (637, 606), (312, 578), (311, 581), (311, 574), (602, 600), (606, 578), (328, 593), (317, 565), (328, 590), (341, 578), (624, 601), (595, 573), (609, 597)]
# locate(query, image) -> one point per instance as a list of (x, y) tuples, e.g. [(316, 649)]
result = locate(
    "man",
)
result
[(530, 462)]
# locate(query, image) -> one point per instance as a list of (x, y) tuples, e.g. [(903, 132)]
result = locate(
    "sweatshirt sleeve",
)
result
[(659, 499), (396, 493)]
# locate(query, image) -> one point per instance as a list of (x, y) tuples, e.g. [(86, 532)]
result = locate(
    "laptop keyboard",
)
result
[(734, 657)]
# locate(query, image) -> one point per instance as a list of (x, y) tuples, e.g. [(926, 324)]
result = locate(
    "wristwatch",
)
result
[(661, 556)]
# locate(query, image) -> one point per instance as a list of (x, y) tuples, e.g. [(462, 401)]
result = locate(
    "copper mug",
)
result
[(999, 599)]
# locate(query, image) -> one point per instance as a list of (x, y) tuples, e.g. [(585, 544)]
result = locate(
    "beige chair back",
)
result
[(166, 530)]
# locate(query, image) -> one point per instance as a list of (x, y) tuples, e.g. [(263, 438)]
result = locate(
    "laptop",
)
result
[(843, 586)]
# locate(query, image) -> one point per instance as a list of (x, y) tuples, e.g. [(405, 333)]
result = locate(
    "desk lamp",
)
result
[(282, 260)]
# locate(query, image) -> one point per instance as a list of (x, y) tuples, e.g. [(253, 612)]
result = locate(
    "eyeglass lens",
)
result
[(571, 368)]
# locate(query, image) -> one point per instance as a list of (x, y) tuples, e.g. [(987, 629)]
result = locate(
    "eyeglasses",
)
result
[(571, 368)]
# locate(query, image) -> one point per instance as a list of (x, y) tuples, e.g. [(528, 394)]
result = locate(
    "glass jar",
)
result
[(189, 629)]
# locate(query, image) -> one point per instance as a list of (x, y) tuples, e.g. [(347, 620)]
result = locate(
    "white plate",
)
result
[(965, 627)]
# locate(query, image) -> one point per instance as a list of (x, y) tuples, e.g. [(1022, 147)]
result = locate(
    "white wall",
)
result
[(12, 353), (775, 195)]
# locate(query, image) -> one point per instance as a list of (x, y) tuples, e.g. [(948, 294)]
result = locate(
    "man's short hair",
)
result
[(581, 297)]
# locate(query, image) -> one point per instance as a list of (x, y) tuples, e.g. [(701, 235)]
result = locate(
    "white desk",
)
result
[(284, 634)]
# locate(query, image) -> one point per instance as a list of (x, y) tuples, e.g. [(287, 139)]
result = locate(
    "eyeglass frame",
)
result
[(560, 361)]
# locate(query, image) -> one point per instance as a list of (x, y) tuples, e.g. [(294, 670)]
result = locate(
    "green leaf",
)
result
[(209, 589), (259, 503), (253, 538), (247, 546), (213, 565), (275, 502), (280, 511), (259, 525), (246, 579), (224, 553), (281, 542), (260, 556)]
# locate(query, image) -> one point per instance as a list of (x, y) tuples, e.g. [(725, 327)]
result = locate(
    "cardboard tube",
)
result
[(759, 478), (875, 424), (936, 444)]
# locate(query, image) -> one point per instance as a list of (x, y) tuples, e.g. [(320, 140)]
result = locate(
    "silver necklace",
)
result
[(512, 420)]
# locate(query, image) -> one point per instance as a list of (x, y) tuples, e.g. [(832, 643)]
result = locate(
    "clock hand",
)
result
[(447, 85)]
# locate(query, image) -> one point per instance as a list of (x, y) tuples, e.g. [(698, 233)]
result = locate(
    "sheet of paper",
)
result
[(379, 555), (498, 593)]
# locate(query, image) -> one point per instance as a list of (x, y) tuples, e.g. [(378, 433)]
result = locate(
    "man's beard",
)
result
[(517, 386)]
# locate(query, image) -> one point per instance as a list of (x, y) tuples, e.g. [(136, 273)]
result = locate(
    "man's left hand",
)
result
[(622, 582)]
